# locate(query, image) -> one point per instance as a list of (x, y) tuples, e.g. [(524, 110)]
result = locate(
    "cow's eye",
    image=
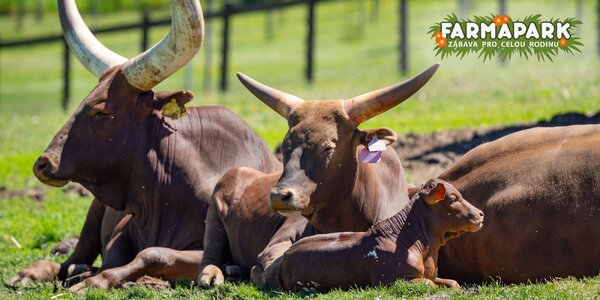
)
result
[(100, 113), (329, 149)]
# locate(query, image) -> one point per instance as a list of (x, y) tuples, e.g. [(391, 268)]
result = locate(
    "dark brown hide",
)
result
[(539, 191)]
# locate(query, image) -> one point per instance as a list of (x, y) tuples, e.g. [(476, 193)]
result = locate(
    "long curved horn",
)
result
[(280, 102), (88, 50), (175, 50), (366, 106)]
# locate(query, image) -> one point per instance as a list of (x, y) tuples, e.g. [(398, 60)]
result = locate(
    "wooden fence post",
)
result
[(375, 10), (403, 47), (502, 12), (66, 75), (208, 49), (310, 41), (269, 25), (145, 29), (225, 46)]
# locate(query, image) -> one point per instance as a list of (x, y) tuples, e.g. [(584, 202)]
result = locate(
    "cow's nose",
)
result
[(282, 195), (481, 214), (43, 166)]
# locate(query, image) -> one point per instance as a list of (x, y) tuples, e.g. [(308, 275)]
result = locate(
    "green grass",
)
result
[(349, 61)]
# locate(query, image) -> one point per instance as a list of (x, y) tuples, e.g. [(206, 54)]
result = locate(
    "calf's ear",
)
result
[(181, 97), (386, 135), (412, 190), (436, 194)]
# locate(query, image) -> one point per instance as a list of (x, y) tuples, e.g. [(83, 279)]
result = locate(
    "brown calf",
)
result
[(403, 246), (240, 224)]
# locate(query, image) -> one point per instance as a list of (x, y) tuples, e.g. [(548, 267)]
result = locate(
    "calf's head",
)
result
[(90, 147), (323, 136), (448, 212)]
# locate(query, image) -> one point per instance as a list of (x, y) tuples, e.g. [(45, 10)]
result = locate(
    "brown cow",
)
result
[(322, 176), (152, 176), (539, 189), (404, 246)]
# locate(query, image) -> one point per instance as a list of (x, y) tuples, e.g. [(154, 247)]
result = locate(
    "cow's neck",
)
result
[(409, 229), (149, 186), (158, 195), (359, 195)]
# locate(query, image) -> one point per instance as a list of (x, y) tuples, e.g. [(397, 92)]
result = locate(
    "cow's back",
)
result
[(539, 191)]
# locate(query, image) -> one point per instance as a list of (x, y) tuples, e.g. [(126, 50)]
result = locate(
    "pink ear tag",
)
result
[(372, 153)]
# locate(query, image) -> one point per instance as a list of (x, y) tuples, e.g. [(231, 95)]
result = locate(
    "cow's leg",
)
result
[(447, 282), (85, 253), (265, 273), (119, 249), (159, 262), (216, 245)]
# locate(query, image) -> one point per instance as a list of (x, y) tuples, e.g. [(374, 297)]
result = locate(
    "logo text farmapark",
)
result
[(490, 36)]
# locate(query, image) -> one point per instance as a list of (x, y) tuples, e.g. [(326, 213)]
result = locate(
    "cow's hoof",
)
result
[(449, 283), (39, 271), (257, 275), (76, 273), (452, 284), (20, 281), (99, 281), (211, 275)]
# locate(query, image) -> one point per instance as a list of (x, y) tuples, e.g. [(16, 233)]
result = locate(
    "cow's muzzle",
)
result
[(45, 169), (284, 201)]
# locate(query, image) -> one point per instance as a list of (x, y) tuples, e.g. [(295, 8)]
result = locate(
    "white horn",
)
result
[(175, 50), (88, 50), (282, 103), (366, 106)]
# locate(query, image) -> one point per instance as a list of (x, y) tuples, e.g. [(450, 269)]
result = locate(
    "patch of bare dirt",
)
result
[(427, 156), (38, 193), (65, 246), (148, 282), (35, 193)]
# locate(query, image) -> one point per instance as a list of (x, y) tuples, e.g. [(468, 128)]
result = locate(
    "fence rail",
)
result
[(145, 24)]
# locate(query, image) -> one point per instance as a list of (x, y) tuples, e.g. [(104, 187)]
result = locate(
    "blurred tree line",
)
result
[(40, 7)]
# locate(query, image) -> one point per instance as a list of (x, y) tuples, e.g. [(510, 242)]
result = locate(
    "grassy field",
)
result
[(351, 58)]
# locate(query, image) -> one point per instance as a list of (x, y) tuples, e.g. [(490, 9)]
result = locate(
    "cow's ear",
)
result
[(436, 193), (181, 97), (386, 135)]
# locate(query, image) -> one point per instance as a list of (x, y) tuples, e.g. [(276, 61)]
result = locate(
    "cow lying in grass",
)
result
[(403, 246), (540, 192), (152, 176), (323, 179)]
